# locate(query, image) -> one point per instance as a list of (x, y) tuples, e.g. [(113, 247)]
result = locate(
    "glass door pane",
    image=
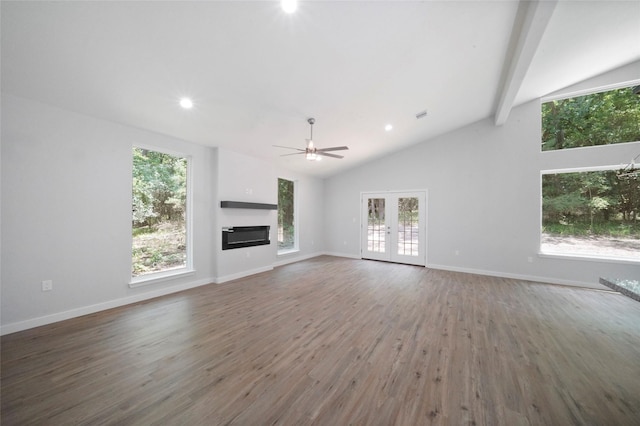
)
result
[(376, 227), (376, 241), (408, 226)]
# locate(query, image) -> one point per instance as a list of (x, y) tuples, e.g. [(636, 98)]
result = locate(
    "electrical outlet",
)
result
[(47, 285), (530, 259), (457, 252), (248, 254)]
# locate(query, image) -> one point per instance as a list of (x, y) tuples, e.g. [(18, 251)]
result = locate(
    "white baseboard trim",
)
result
[(242, 274), (348, 255), (286, 259), (534, 278), (91, 309), (86, 310)]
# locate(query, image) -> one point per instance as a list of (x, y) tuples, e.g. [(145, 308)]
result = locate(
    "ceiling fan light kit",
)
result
[(312, 153)]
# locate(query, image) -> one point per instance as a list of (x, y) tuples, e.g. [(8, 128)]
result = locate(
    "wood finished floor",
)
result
[(333, 341)]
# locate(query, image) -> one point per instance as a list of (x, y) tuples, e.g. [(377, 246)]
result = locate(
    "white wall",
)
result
[(248, 179), (66, 213), (244, 178), (309, 216), (483, 187), (66, 199)]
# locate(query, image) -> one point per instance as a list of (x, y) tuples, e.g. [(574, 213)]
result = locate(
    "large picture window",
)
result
[(159, 223), (603, 118), (287, 232), (592, 212)]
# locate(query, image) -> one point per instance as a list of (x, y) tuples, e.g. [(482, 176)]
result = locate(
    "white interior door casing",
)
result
[(394, 227)]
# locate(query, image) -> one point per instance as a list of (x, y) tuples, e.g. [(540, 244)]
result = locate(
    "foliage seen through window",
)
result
[(286, 215), (159, 209)]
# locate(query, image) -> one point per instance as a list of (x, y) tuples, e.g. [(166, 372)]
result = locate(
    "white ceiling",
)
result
[(256, 74)]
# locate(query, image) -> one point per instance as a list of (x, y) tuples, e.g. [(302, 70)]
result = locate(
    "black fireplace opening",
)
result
[(244, 236)]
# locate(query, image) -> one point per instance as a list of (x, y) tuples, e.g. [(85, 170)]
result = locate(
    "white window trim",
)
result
[(589, 91), (187, 269), (159, 277), (589, 258), (287, 252), (581, 169)]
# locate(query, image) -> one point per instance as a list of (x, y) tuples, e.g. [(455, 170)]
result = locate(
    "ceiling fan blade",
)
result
[(335, 148), (288, 147), (295, 153), (325, 154)]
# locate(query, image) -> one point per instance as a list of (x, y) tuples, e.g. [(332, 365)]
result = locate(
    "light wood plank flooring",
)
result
[(333, 341)]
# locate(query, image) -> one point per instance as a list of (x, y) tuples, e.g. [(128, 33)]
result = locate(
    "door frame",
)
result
[(421, 260)]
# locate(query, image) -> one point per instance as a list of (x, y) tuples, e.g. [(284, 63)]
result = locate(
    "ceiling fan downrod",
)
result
[(311, 121)]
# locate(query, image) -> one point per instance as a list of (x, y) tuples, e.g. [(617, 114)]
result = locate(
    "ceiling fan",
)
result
[(311, 152)]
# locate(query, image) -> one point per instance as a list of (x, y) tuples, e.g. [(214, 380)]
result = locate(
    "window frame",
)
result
[(296, 224), (586, 256), (187, 269), (577, 94)]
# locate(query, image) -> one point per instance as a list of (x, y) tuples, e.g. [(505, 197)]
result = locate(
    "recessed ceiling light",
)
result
[(289, 6), (186, 103), (388, 127)]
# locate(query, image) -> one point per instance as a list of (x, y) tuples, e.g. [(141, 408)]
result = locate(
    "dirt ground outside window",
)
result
[(612, 247)]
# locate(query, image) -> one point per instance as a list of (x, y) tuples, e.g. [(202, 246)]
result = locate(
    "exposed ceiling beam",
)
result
[(533, 17)]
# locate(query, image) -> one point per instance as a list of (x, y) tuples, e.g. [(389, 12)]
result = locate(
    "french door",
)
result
[(394, 227)]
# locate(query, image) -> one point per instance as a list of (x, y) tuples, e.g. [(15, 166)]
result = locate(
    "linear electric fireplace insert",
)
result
[(244, 236)]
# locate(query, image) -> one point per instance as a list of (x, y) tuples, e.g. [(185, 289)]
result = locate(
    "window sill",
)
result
[(160, 277), (288, 252), (589, 258)]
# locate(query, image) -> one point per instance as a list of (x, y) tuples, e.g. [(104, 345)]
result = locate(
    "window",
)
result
[(287, 232), (160, 219), (597, 119), (592, 212)]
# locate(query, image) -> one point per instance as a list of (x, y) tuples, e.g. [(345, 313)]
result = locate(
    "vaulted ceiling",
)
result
[(256, 74)]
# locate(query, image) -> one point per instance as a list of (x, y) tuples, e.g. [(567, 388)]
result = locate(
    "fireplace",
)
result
[(244, 236)]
